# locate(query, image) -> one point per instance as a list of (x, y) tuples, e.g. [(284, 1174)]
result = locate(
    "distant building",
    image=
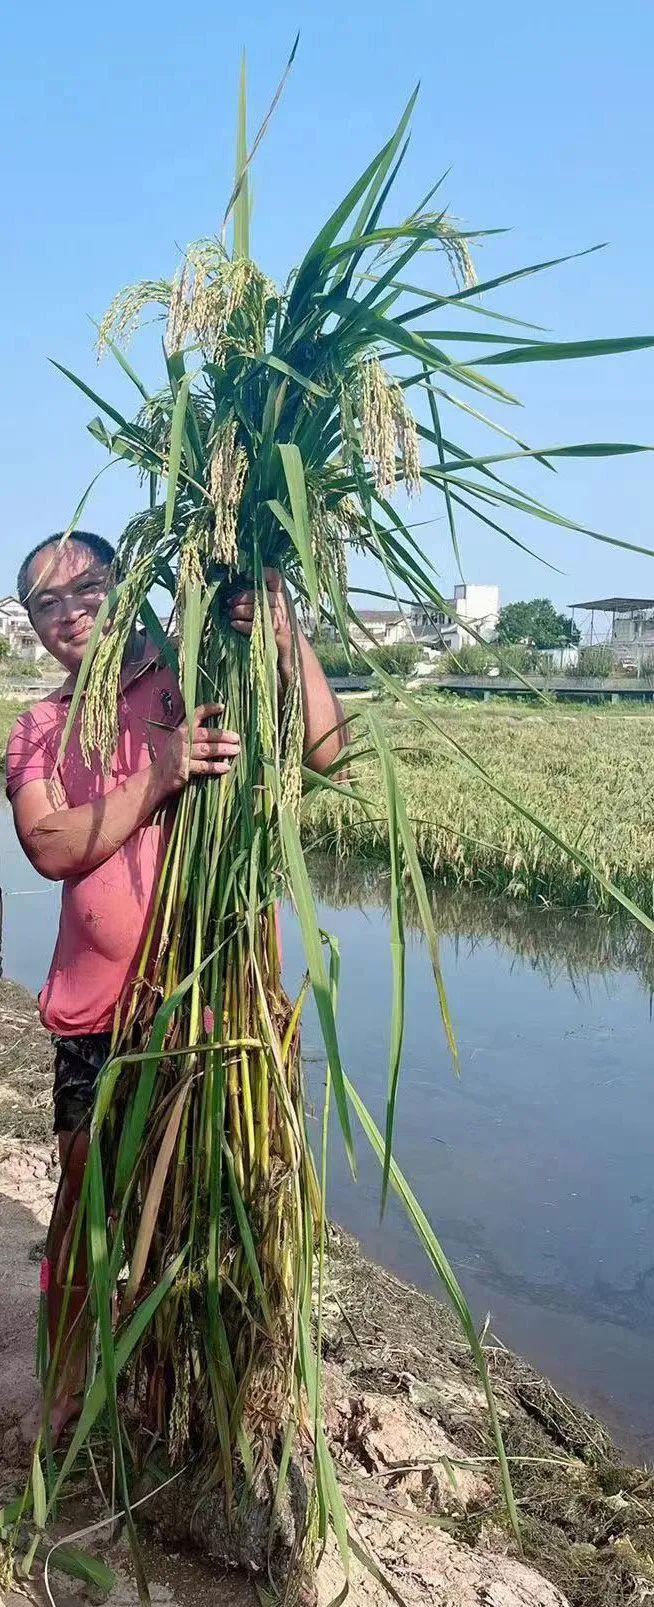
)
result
[(18, 630), (385, 625), (561, 658), (625, 624), (477, 607)]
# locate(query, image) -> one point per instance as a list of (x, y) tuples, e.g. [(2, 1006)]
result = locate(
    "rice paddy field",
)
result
[(588, 773)]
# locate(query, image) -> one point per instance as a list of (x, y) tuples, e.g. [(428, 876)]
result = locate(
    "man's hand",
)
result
[(202, 750), (324, 721), (241, 615)]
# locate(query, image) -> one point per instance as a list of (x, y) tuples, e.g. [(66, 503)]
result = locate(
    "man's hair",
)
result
[(85, 538)]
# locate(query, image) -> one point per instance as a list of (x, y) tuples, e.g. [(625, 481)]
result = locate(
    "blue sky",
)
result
[(117, 139)]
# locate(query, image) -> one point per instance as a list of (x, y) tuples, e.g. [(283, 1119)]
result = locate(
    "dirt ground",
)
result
[(405, 1417)]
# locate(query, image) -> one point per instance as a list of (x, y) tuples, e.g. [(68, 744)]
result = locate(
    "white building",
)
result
[(385, 625), (476, 606), (18, 631), (561, 658)]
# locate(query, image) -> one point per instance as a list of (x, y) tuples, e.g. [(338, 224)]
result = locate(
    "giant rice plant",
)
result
[(286, 420)]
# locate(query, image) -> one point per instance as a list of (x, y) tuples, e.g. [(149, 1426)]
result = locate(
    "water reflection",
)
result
[(578, 945), (535, 1167)]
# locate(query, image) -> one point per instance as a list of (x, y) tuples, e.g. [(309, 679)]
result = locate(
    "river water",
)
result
[(535, 1166)]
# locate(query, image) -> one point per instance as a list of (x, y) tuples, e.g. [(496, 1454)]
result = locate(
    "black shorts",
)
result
[(77, 1062)]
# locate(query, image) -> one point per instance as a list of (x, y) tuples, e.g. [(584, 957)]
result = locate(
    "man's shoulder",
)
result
[(39, 718), (33, 740)]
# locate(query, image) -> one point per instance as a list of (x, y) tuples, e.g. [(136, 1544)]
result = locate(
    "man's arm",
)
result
[(63, 842), (324, 718), (325, 727)]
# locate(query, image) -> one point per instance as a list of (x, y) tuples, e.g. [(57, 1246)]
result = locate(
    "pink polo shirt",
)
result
[(104, 912)]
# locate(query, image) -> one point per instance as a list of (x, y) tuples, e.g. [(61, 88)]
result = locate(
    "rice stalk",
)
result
[(278, 447)]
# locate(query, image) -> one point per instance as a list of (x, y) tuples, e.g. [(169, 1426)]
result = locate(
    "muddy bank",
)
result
[(404, 1413)]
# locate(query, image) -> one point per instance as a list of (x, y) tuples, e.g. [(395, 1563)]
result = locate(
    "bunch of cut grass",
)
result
[(280, 432)]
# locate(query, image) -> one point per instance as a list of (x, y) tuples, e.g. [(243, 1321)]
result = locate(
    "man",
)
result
[(104, 837)]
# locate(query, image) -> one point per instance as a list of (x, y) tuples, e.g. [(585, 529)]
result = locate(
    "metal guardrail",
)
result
[(568, 685), (565, 687)]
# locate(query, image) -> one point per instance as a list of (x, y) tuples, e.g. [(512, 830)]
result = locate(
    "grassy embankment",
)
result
[(588, 774)]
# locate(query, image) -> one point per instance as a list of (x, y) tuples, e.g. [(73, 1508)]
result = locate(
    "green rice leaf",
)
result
[(325, 1472), (445, 1273), (175, 456), (136, 1116), (93, 397), (242, 188), (523, 273), (537, 510), (397, 943), (193, 621), (306, 384), (564, 350), (427, 920), (441, 458), (12, 1511), (243, 164), (192, 443), (299, 529), (123, 363), (483, 418), (245, 1232), (80, 1565), (99, 1257), (74, 521), (310, 267), (587, 449), (502, 531), (126, 1341), (372, 1567), (304, 903), (39, 1497), (384, 166), (159, 636)]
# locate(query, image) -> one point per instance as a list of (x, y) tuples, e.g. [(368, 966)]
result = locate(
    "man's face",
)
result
[(67, 585)]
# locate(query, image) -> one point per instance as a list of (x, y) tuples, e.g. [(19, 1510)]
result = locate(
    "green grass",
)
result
[(589, 775)]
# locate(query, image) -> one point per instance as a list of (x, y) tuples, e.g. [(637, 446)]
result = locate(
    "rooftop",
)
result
[(385, 616), (616, 605)]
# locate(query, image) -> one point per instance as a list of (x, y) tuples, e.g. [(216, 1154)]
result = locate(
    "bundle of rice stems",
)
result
[(280, 433)]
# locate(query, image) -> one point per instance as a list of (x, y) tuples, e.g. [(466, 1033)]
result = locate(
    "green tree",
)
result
[(536, 623)]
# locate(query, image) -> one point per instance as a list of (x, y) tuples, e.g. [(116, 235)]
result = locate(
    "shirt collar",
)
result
[(147, 658)]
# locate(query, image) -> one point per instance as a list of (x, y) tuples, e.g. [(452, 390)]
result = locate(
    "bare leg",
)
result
[(73, 1152)]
